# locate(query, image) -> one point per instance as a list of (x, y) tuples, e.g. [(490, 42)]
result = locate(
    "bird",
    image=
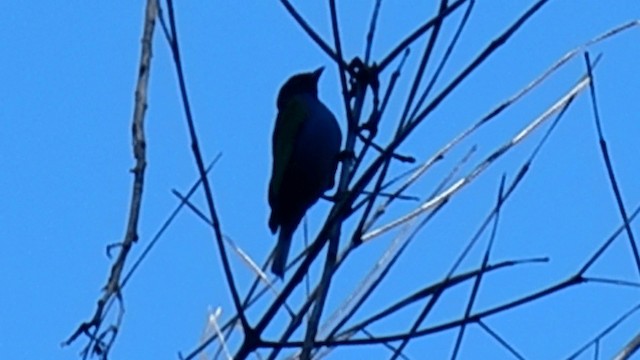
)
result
[(306, 144)]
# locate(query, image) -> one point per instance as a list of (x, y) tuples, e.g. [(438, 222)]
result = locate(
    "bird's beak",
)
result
[(318, 72)]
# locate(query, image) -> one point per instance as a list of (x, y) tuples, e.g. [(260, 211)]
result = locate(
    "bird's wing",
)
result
[(288, 124)]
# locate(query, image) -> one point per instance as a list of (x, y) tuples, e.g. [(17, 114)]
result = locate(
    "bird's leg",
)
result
[(342, 157), (371, 125)]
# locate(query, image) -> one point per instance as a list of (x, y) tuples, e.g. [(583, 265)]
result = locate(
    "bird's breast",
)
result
[(318, 143)]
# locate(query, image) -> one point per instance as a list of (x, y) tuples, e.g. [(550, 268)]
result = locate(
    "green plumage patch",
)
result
[(288, 124)]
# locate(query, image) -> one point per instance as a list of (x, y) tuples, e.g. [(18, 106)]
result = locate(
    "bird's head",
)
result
[(304, 83)]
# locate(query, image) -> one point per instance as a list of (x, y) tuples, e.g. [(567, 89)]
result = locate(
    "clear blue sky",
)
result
[(67, 77)]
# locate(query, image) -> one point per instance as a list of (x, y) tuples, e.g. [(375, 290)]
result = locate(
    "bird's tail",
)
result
[(281, 253)]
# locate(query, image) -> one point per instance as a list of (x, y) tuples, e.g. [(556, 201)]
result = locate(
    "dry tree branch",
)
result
[(154, 240), (197, 153), (96, 345), (484, 55), (435, 25), (504, 105), (376, 165), (493, 214), (519, 176), (571, 281), (453, 189), (372, 123), (380, 269), (428, 291), (367, 286)]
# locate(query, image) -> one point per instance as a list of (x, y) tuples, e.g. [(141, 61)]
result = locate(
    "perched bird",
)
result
[(306, 143)]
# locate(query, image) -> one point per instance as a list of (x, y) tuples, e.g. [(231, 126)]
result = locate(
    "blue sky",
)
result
[(66, 100)]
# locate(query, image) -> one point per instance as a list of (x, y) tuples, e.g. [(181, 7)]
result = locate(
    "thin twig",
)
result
[(604, 332), (483, 266), (314, 35), (426, 56), (607, 161), (372, 30), (444, 60), (195, 147), (165, 225), (629, 349), (500, 340), (417, 34)]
